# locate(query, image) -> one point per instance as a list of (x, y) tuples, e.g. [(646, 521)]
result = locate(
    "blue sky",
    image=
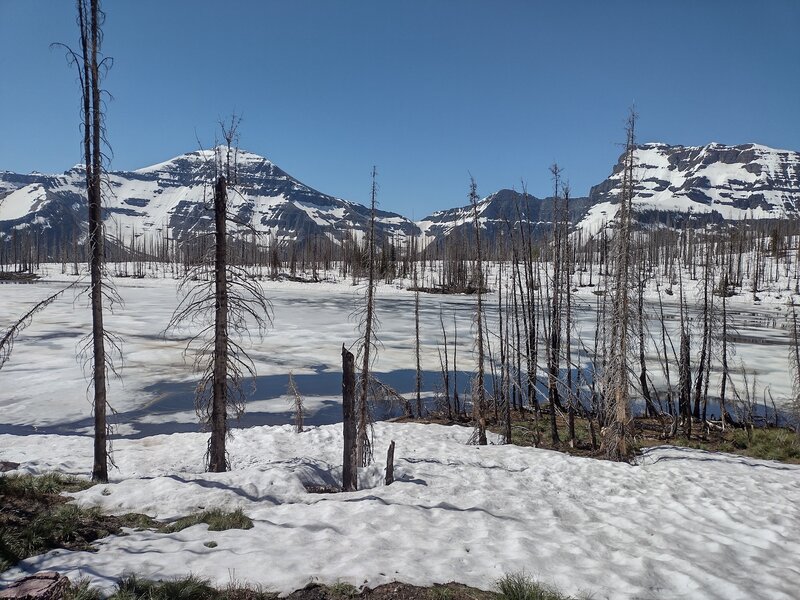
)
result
[(429, 91)]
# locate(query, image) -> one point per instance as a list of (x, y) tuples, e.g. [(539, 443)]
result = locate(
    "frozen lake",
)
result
[(43, 387)]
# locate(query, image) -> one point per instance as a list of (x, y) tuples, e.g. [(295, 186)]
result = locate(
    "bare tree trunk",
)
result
[(698, 385), (217, 460), (722, 408), (479, 393), (390, 464), (616, 443), (445, 367), (92, 117), (364, 442), (350, 454), (555, 313), (418, 378)]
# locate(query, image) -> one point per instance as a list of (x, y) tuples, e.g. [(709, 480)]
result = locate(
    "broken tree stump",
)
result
[(349, 455), (390, 464)]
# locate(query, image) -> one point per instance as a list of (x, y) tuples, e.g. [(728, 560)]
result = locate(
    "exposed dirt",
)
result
[(394, 591)]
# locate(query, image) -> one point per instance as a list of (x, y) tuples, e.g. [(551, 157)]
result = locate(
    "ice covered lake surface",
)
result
[(679, 524), (45, 390)]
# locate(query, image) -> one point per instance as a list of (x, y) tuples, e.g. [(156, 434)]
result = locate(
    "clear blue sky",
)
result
[(427, 90)]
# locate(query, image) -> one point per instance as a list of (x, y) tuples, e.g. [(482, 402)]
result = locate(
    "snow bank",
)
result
[(680, 524)]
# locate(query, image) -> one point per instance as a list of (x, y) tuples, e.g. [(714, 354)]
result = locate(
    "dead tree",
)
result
[(617, 440), (479, 390), (554, 338), (389, 479), (724, 379), (794, 360), (350, 453), (90, 68), (228, 304), (368, 325), (418, 375), (296, 401)]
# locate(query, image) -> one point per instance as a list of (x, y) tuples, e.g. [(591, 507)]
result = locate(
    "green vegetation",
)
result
[(341, 589), (27, 486), (217, 520), (81, 590), (766, 443), (35, 518), (519, 586)]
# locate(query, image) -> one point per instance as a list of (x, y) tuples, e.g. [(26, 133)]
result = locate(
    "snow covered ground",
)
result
[(44, 387), (680, 524)]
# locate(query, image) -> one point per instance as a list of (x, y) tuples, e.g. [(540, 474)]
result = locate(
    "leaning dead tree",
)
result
[(17, 327), (616, 441), (226, 305)]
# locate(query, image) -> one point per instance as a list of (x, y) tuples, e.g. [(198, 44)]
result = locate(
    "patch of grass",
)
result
[(519, 586), (342, 589), (440, 592), (35, 518), (190, 587), (80, 590), (47, 483), (765, 443), (216, 519)]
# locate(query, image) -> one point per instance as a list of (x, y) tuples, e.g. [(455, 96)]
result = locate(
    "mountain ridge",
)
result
[(674, 183)]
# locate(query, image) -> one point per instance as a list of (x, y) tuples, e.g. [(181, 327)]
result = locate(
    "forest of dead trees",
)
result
[(531, 362), (534, 364)]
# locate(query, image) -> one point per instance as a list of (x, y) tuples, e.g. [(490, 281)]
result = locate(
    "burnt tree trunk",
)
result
[(90, 41), (390, 464), (219, 403), (349, 455)]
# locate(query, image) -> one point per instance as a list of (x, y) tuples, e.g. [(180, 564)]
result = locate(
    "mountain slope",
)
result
[(172, 198), (705, 184), (495, 213)]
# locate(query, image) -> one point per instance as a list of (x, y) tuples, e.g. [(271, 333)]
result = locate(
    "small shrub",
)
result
[(519, 586), (216, 519)]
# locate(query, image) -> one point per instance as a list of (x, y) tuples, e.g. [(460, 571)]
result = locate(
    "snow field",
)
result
[(44, 385), (680, 524)]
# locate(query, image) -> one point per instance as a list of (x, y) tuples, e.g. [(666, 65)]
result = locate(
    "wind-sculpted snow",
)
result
[(679, 524)]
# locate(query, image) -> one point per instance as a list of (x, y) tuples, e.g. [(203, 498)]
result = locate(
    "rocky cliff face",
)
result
[(496, 212), (711, 183), (674, 184)]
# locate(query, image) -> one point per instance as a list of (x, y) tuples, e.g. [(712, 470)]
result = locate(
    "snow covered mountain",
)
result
[(171, 198), (495, 213), (707, 184)]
